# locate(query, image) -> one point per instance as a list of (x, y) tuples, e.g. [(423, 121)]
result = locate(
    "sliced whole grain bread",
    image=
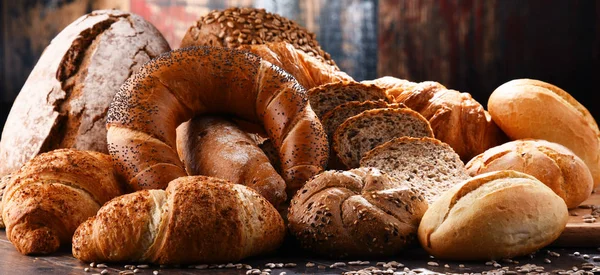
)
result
[(335, 117), (363, 132), (427, 164), (326, 97)]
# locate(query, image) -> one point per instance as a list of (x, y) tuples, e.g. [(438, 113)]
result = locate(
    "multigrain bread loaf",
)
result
[(496, 215), (528, 108), (196, 220), (169, 90), (64, 101), (363, 132), (551, 163), (217, 147), (455, 117), (426, 163), (328, 96), (52, 194), (358, 213), (235, 27), (308, 71)]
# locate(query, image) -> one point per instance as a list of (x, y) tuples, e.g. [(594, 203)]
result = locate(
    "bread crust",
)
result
[(551, 163), (216, 147), (361, 212), (178, 85), (52, 194), (528, 108), (64, 101), (196, 220), (496, 215)]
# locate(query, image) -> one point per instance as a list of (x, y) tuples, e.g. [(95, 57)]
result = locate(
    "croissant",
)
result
[(196, 220), (184, 83), (52, 194), (217, 147)]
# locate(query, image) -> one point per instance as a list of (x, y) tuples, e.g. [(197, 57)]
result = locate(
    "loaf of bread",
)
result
[(427, 164), (358, 213), (196, 220), (52, 194), (3, 182), (527, 108), (217, 147), (496, 215), (551, 163), (173, 88), (363, 132), (64, 101), (235, 27), (328, 96), (456, 118)]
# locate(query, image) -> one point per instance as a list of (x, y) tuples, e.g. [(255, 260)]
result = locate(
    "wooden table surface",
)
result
[(11, 262)]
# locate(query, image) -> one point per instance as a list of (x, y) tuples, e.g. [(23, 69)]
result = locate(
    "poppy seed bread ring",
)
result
[(181, 84)]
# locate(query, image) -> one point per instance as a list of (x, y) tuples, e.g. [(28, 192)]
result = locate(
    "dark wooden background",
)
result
[(472, 46)]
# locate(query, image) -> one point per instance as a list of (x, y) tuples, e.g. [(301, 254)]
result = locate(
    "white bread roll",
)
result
[(553, 164), (526, 108), (496, 215)]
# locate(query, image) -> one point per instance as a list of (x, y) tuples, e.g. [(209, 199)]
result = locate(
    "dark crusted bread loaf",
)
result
[(326, 97), (361, 212), (426, 163), (64, 101), (363, 132)]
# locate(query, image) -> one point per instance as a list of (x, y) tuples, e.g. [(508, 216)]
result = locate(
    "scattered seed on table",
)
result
[(101, 266), (143, 266), (282, 273), (432, 264), (155, 272), (338, 264), (461, 266), (321, 267), (104, 272), (447, 266), (489, 263), (87, 269), (309, 264), (136, 270), (586, 256), (266, 270), (290, 265), (92, 264), (202, 266)]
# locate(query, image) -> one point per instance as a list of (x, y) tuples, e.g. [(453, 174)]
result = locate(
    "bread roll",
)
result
[(234, 27), (527, 108), (551, 163), (216, 147), (64, 101), (358, 213), (196, 220), (52, 194), (496, 215), (177, 86), (3, 182)]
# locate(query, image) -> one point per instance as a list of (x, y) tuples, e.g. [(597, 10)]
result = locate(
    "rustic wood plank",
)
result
[(475, 46), (579, 233)]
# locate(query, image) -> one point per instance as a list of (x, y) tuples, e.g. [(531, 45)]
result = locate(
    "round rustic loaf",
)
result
[(496, 215), (528, 108), (551, 163), (361, 212), (234, 27), (64, 101)]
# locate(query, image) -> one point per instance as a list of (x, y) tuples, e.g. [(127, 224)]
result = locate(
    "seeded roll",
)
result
[(551, 163), (496, 215), (234, 27), (358, 213), (184, 83)]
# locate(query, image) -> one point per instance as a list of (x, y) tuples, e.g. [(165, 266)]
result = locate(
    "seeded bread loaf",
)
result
[(217, 147), (527, 108), (496, 215), (455, 117), (196, 220), (64, 101), (52, 194), (551, 163), (328, 96), (426, 163), (358, 213), (363, 132), (234, 27)]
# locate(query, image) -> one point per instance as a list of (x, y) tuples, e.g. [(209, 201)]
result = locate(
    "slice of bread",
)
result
[(427, 164), (363, 132), (326, 97), (334, 118)]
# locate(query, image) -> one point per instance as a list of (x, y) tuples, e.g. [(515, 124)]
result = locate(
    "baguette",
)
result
[(216, 147), (171, 89)]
